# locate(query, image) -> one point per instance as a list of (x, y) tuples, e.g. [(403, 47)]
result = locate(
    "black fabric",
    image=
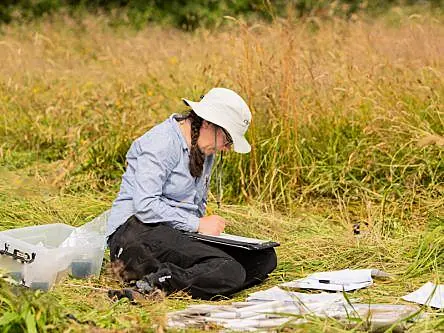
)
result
[(173, 261)]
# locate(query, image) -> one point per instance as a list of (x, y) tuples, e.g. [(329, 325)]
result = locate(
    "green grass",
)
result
[(314, 238), (27, 311), (348, 127)]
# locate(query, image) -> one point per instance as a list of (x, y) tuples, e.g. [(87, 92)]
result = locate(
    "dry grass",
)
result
[(352, 99), (348, 127)]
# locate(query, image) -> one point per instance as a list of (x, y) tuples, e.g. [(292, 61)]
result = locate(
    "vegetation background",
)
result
[(348, 128)]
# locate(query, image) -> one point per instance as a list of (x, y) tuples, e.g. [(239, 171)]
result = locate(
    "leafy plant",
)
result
[(25, 310)]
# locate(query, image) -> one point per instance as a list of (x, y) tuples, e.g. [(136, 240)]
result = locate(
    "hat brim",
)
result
[(240, 143)]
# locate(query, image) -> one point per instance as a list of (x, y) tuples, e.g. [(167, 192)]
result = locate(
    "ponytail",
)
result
[(197, 158)]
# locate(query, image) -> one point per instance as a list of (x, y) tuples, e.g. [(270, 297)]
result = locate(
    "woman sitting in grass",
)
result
[(163, 195)]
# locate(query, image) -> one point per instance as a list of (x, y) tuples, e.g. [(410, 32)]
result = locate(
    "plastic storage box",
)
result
[(39, 256)]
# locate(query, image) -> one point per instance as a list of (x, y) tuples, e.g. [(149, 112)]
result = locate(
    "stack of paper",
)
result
[(274, 307)]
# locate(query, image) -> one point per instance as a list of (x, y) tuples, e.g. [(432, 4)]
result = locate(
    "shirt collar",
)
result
[(175, 125)]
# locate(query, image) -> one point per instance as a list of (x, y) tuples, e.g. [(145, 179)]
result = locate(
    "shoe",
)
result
[(159, 279), (151, 286)]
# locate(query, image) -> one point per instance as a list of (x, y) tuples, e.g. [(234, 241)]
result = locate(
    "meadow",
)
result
[(348, 128)]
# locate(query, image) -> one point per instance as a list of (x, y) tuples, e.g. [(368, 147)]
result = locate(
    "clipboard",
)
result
[(234, 241)]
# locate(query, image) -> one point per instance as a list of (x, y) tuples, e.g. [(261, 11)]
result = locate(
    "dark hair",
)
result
[(197, 158)]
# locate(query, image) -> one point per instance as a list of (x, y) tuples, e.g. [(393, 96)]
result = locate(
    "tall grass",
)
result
[(349, 111), (348, 127)]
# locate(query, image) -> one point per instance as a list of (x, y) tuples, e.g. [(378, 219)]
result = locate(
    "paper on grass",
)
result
[(252, 324), (278, 294), (330, 286), (255, 310), (429, 294), (297, 303), (268, 309), (344, 276), (342, 280)]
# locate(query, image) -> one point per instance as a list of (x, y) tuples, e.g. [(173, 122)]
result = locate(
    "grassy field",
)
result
[(348, 127)]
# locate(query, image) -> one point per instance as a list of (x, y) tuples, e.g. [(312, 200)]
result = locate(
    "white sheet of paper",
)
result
[(313, 284), (278, 294), (424, 295), (346, 279), (298, 303), (344, 276), (241, 238)]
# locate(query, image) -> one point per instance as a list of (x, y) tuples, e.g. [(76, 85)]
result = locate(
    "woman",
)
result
[(163, 195)]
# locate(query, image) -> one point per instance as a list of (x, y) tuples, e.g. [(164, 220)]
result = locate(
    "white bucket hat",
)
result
[(228, 110)]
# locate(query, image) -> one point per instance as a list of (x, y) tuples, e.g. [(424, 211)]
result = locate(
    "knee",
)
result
[(232, 275)]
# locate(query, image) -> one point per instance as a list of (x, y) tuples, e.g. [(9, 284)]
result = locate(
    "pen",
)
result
[(327, 281)]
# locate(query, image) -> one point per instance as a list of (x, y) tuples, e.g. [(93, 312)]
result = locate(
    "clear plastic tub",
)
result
[(39, 256)]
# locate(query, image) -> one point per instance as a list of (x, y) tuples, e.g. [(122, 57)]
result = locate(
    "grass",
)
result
[(348, 127), (313, 239)]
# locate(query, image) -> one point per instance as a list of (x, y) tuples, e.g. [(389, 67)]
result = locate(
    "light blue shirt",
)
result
[(157, 185)]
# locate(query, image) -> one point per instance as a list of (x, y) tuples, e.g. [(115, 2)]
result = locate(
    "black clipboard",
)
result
[(234, 241)]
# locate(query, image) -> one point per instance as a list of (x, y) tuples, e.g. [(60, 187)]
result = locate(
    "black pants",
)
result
[(192, 265)]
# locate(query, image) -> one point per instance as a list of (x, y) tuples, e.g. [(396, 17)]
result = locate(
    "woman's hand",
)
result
[(211, 225)]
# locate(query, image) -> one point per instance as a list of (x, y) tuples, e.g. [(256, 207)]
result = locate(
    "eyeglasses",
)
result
[(228, 139)]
